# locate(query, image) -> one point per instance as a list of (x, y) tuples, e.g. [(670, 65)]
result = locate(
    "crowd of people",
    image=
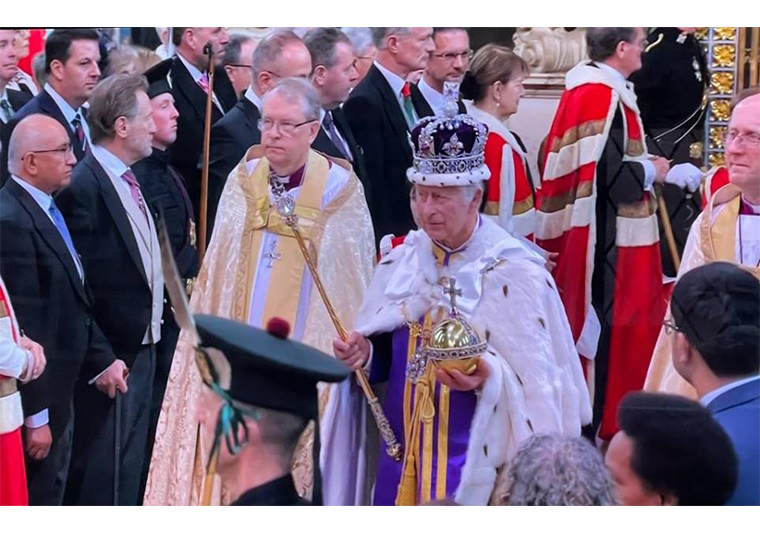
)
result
[(187, 321)]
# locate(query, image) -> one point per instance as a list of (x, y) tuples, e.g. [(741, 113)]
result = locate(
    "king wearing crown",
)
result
[(465, 325)]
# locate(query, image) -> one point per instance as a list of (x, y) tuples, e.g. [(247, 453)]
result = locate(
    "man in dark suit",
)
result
[(167, 197), (334, 75), (189, 82), (46, 281), (11, 98), (280, 55), (380, 112), (71, 62), (115, 232), (448, 63), (716, 348)]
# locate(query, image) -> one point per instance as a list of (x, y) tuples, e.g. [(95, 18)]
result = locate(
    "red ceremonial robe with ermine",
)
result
[(596, 210)]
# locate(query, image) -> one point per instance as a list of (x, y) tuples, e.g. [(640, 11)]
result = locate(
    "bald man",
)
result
[(47, 285)]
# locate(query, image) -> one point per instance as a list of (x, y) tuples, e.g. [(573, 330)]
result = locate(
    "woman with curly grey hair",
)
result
[(550, 470)]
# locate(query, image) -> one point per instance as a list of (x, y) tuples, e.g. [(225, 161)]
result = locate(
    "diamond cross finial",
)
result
[(450, 289)]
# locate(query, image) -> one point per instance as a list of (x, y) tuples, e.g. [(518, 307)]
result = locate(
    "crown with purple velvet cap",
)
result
[(449, 150)]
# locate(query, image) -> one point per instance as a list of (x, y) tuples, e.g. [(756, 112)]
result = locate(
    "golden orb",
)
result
[(455, 345)]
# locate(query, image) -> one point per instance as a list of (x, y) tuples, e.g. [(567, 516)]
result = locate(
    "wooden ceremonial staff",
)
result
[(668, 228), (208, 50)]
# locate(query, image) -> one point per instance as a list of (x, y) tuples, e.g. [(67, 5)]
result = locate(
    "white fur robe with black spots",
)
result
[(536, 383)]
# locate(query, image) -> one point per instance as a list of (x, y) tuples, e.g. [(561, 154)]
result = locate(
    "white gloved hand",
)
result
[(685, 176)]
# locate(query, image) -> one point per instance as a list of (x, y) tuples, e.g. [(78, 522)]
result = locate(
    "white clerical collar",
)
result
[(109, 161), (253, 98), (194, 71), (43, 199), (396, 82), (432, 96), (463, 245), (708, 398), (614, 73), (68, 112)]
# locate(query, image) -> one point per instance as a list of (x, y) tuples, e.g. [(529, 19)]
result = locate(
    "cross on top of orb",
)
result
[(450, 289)]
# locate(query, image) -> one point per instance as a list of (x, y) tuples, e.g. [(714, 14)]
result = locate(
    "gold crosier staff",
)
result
[(203, 216), (286, 208)]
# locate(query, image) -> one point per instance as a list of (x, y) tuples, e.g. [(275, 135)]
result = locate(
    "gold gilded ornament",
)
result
[(697, 150), (720, 110), (724, 56), (722, 83), (725, 34), (702, 33), (717, 159), (716, 137), (455, 344)]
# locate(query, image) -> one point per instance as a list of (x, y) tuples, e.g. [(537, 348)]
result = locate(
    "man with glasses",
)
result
[(47, 282), (280, 55), (254, 270), (237, 61), (448, 63), (728, 229), (596, 209)]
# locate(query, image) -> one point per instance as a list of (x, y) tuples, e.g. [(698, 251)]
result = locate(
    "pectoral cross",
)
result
[(450, 289), (272, 255)]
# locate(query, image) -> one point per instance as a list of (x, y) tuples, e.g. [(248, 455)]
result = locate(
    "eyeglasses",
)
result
[(750, 140), (68, 150), (452, 56), (670, 327), (287, 128), (247, 66)]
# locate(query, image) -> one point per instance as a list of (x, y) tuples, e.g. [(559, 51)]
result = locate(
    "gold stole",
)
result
[(718, 238), (284, 289), (417, 472)]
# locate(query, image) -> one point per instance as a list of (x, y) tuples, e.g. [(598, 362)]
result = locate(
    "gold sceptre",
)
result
[(392, 446)]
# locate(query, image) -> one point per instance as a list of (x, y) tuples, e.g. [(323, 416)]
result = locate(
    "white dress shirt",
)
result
[(322, 114), (432, 96), (68, 112), (253, 98)]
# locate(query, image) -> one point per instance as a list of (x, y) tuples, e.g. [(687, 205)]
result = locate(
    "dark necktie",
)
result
[(79, 132), (332, 132), (65, 235)]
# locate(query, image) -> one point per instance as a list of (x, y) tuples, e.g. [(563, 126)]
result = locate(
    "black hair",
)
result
[(678, 448), (58, 44), (717, 307)]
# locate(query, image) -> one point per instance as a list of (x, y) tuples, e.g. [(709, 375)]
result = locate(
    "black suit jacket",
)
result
[(42, 103), (379, 127), (231, 137), (52, 304), (325, 145), (100, 227), (18, 98), (167, 197), (190, 101)]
